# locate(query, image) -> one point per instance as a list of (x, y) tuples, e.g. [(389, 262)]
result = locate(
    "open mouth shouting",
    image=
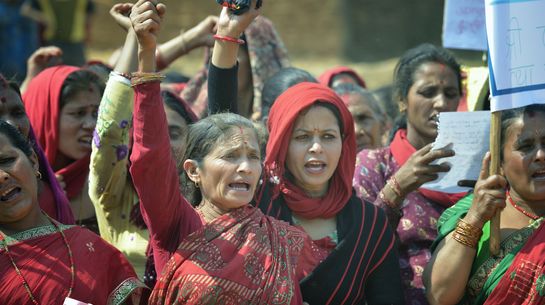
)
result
[(240, 186), (315, 167), (9, 193)]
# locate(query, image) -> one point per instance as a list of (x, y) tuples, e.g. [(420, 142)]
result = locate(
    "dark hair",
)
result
[(280, 82), (350, 88), (77, 81), (174, 103), (101, 69), (202, 137), (509, 117), (16, 138), (412, 59)]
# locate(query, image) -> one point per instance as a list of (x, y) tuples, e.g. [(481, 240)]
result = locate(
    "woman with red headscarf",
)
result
[(307, 182), (341, 75), (61, 103)]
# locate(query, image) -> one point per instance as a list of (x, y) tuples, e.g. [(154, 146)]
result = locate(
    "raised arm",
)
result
[(168, 215), (109, 184), (196, 37), (222, 77)]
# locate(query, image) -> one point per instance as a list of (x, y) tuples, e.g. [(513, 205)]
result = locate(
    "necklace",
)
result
[(23, 280), (518, 208)]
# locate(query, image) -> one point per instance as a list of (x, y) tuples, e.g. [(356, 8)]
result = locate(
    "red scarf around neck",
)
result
[(282, 116), (402, 150)]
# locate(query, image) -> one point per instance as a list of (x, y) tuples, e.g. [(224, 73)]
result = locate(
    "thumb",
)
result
[(485, 167)]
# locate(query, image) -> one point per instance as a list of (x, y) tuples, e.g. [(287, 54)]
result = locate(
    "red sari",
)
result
[(102, 274), (243, 257)]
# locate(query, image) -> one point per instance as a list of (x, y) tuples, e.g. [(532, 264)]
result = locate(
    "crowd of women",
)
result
[(254, 182)]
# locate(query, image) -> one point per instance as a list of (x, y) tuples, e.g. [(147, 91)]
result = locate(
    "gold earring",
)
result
[(402, 107), (196, 184), (39, 175)]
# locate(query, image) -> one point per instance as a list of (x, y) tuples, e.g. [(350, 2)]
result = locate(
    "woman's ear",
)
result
[(34, 160), (191, 168)]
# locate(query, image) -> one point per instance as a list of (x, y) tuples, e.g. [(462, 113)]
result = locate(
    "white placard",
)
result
[(468, 134), (516, 38), (464, 25)]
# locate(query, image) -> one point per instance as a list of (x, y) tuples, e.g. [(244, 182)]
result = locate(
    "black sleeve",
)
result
[(222, 89), (384, 285)]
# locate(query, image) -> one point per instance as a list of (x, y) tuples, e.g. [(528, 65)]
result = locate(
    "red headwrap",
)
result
[(42, 104), (327, 77), (282, 116)]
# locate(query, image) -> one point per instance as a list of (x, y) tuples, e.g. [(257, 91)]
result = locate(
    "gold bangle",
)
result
[(464, 240), (467, 234), (138, 78)]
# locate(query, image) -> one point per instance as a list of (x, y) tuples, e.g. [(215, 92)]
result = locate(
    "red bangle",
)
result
[(229, 39)]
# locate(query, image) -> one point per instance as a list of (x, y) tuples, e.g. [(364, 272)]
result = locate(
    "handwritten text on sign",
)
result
[(464, 25), (516, 37)]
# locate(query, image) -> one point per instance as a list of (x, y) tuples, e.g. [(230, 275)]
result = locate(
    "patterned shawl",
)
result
[(242, 257)]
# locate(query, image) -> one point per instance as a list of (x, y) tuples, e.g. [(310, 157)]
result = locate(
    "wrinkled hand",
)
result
[(146, 17), (419, 170), (202, 34), (233, 25), (120, 12), (42, 59), (489, 196)]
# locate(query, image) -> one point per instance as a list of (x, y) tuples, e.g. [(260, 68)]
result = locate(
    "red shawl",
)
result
[(327, 77), (42, 104), (282, 116), (102, 274), (402, 150), (242, 257), (523, 282)]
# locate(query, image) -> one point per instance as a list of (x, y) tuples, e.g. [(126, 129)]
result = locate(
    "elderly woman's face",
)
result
[(369, 129), (314, 150), (12, 110), (524, 157), (228, 175), (18, 183)]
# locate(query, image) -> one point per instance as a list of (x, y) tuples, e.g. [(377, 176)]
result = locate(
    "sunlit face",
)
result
[(18, 183), (12, 110), (77, 121), (369, 129), (435, 89), (314, 150), (228, 175), (524, 157), (177, 131)]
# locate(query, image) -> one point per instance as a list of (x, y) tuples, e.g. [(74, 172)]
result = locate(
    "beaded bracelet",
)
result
[(138, 78), (229, 39)]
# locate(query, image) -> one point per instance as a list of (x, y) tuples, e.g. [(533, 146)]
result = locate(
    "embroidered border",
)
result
[(124, 290), (477, 281), (32, 233)]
